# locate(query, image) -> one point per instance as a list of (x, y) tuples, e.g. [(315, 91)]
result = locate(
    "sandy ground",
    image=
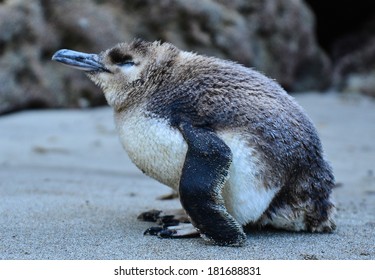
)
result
[(68, 191)]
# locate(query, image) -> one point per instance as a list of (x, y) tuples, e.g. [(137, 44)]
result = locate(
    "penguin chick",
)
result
[(231, 142)]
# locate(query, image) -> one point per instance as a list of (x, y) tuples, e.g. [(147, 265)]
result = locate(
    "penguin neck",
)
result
[(121, 99)]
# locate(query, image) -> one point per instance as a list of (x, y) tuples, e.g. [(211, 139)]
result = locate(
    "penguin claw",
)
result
[(167, 221), (171, 217), (167, 233), (153, 231), (149, 216), (178, 231), (159, 217), (160, 232), (171, 224)]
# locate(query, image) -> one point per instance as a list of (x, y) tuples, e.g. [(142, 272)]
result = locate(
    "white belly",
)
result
[(246, 198), (159, 151), (153, 146)]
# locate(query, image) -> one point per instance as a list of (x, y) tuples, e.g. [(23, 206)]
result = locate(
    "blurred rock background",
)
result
[(304, 45)]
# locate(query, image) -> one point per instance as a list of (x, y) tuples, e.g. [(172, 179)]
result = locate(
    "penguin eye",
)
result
[(127, 63), (121, 59)]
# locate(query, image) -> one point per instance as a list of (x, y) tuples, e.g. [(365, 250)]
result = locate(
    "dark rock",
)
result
[(274, 36), (354, 54), (345, 30)]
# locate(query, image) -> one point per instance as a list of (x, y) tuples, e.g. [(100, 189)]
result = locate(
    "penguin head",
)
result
[(125, 70)]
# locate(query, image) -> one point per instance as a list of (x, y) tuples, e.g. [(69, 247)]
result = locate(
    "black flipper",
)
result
[(204, 174)]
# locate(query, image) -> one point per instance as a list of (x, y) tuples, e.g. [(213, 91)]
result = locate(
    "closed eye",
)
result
[(121, 59), (127, 63)]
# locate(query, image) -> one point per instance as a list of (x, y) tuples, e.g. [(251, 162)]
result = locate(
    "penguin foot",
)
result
[(178, 231), (149, 216), (172, 224), (169, 217)]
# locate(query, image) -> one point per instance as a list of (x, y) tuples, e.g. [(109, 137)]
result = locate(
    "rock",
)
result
[(348, 36), (354, 67), (28, 79), (274, 36), (21, 77)]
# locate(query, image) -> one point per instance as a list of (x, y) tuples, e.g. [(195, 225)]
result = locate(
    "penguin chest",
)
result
[(154, 146)]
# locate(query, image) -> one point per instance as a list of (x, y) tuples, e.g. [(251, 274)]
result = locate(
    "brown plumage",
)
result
[(236, 147)]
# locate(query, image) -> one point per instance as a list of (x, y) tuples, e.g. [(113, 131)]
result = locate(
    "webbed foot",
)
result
[(172, 224), (177, 231)]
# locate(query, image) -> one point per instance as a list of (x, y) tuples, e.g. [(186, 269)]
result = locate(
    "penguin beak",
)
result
[(83, 61)]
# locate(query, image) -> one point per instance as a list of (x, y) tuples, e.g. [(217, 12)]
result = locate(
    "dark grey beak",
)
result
[(83, 61)]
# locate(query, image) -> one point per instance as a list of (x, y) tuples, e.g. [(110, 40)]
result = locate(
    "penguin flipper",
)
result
[(204, 174)]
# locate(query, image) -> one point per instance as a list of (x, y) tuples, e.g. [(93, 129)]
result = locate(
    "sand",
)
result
[(69, 191)]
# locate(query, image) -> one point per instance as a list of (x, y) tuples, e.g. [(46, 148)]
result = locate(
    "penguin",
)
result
[(232, 143)]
